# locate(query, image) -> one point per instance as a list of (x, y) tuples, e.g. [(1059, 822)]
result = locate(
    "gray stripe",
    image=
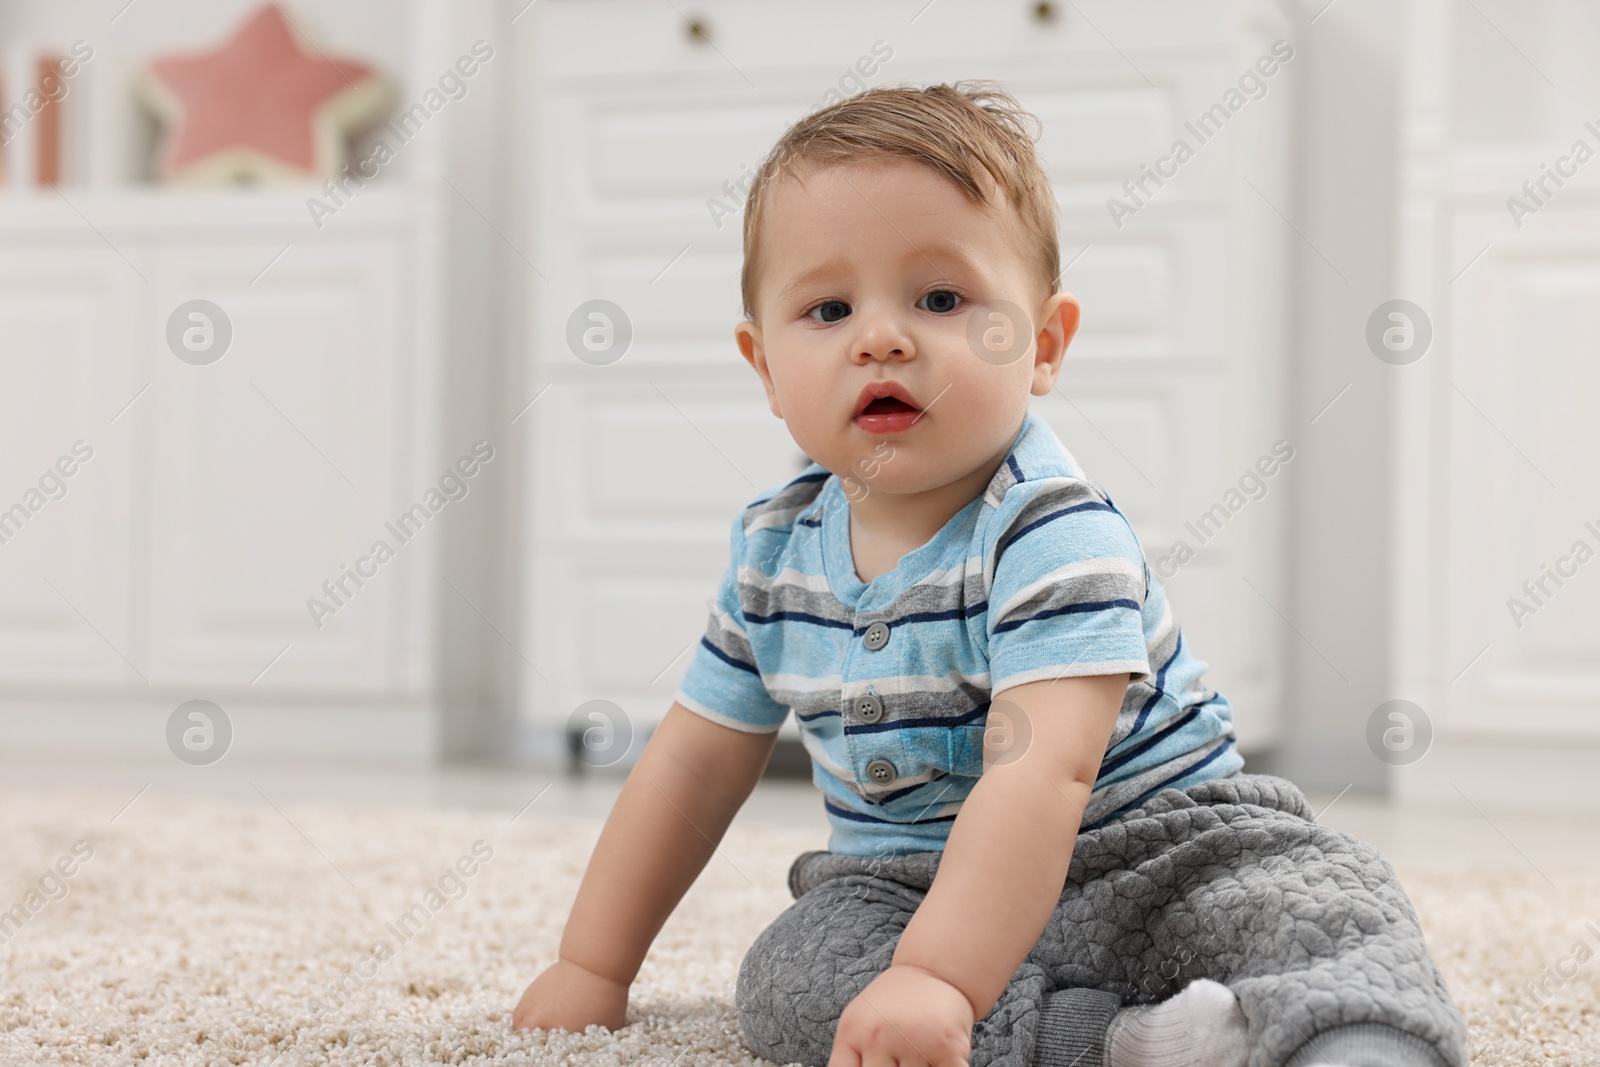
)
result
[(1079, 589), (1163, 648), (783, 506), (1059, 493), (1002, 481), (950, 596), (1138, 694), (1105, 801), (764, 594), (732, 643), (959, 698)]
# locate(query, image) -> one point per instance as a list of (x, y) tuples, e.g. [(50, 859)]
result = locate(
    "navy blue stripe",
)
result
[(1070, 609), (1017, 535), (1016, 471), (856, 816), (934, 616), (856, 631), (1153, 790), (1160, 735), (1144, 712), (898, 793), (819, 715), (1161, 676), (799, 616), (729, 660), (909, 724)]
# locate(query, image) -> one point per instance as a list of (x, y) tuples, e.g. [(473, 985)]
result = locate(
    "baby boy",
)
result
[(1044, 847)]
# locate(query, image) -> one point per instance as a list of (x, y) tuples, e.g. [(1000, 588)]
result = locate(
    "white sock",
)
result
[(1203, 1026)]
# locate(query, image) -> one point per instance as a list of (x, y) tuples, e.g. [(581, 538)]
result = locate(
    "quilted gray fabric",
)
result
[(1229, 880)]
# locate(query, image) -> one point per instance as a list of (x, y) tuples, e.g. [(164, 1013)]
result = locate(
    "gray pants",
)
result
[(1228, 880)]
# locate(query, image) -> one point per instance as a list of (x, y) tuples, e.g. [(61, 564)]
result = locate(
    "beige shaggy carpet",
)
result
[(194, 931)]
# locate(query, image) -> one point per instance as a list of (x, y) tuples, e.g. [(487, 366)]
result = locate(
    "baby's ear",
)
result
[(1058, 324), (747, 335)]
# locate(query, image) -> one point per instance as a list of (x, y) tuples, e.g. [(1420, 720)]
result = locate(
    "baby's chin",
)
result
[(907, 482)]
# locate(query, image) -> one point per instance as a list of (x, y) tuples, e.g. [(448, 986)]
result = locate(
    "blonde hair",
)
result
[(961, 130)]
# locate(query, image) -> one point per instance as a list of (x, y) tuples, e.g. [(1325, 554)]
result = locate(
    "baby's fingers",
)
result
[(857, 1046), (844, 1055)]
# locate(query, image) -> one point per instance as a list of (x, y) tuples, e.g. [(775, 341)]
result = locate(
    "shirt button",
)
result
[(869, 709), (882, 771), (876, 637)]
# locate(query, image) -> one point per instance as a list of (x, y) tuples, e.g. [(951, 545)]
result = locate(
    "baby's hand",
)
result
[(907, 1017), (567, 997)]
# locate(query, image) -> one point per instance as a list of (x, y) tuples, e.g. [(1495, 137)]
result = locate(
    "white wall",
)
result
[(1338, 544), (1343, 214)]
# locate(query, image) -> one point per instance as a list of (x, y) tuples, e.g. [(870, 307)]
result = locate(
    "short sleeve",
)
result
[(723, 683), (1068, 588)]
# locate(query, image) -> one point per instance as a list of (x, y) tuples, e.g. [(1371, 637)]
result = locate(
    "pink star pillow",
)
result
[(260, 107)]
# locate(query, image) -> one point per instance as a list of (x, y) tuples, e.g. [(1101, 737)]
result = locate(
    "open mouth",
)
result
[(887, 405), (886, 414)]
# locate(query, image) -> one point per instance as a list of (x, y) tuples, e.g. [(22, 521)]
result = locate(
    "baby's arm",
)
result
[(691, 779), (999, 880), (1008, 853)]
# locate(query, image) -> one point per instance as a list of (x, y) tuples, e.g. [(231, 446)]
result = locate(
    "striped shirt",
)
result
[(1039, 577)]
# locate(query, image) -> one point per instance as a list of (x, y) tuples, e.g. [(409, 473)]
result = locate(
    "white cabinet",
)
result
[(1496, 602), (273, 467), (639, 140), (66, 541), (220, 496)]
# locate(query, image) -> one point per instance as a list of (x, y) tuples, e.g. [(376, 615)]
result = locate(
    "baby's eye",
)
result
[(941, 301), (829, 311)]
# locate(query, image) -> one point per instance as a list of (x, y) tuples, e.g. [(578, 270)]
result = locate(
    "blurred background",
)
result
[(371, 399)]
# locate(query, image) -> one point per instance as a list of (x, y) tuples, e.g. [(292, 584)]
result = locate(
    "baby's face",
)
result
[(884, 271)]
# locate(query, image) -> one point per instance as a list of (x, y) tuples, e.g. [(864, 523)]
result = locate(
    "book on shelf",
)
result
[(43, 108)]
